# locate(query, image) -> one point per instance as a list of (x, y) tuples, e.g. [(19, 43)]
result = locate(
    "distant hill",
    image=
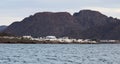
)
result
[(83, 24), (2, 28)]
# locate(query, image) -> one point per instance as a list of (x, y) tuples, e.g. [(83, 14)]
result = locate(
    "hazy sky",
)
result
[(16, 10)]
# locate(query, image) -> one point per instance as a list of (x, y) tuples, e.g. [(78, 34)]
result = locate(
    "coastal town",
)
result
[(61, 40), (52, 40)]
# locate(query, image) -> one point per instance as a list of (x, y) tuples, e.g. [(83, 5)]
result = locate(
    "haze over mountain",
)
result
[(83, 24), (2, 28)]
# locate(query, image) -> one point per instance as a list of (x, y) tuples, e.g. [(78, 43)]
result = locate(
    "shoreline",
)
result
[(53, 43), (19, 40)]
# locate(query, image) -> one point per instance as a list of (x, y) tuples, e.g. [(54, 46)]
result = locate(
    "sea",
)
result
[(59, 53)]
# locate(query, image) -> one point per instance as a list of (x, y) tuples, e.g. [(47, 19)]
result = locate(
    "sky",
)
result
[(16, 10)]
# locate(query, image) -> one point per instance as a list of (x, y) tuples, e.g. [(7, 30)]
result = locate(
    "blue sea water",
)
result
[(59, 53)]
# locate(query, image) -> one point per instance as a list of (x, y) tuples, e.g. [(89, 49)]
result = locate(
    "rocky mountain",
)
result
[(43, 24), (97, 26), (2, 28), (83, 24)]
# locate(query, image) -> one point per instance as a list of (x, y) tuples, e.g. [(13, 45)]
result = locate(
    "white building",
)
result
[(80, 40), (51, 37), (27, 37)]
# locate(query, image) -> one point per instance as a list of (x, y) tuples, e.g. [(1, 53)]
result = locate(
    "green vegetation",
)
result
[(5, 34), (16, 40)]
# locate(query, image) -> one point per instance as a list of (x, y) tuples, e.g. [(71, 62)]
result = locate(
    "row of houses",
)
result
[(62, 39)]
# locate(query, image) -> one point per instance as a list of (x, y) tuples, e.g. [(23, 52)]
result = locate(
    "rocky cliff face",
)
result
[(88, 19), (84, 24), (97, 26)]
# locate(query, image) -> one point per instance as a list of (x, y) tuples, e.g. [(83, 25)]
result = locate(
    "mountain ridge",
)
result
[(83, 24)]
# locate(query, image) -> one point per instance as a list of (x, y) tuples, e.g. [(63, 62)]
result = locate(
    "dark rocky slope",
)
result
[(84, 24), (44, 24), (97, 26)]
